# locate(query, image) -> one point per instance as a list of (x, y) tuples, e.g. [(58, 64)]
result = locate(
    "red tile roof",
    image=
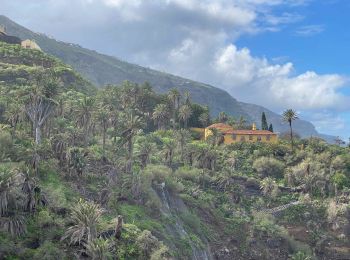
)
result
[(227, 129), (249, 132)]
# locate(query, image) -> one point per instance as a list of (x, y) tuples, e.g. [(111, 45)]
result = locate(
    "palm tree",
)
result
[(204, 119), (161, 115), (216, 138), (182, 137), (85, 217), (132, 125), (84, 114), (187, 98), (169, 147), (223, 117), (174, 97), (128, 95), (241, 122), (185, 113), (144, 151), (290, 115), (104, 119), (205, 156)]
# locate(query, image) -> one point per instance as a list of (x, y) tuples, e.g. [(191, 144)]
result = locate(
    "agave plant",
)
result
[(14, 225), (34, 198), (9, 183), (10, 201), (86, 217), (99, 249)]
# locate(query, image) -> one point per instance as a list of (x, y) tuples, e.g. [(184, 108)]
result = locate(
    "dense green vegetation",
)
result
[(101, 70), (117, 173)]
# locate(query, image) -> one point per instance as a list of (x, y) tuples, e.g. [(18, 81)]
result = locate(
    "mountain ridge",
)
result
[(102, 69)]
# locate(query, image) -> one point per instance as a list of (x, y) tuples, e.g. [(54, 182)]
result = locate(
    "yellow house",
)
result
[(233, 136), (29, 44)]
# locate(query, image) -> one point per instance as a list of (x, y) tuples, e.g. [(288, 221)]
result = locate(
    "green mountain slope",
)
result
[(102, 69), (19, 66)]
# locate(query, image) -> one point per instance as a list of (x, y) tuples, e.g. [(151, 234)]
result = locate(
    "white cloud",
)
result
[(309, 30), (276, 86), (284, 18)]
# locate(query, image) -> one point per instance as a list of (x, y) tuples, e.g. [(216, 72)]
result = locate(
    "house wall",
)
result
[(229, 140), (207, 133)]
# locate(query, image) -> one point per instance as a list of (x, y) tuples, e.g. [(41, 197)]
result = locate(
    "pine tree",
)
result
[(271, 128), (264, 125)]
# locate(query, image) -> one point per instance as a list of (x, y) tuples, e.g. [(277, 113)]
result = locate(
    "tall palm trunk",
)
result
[(130, 156), (291, 134), (104, 138), (174, 118)]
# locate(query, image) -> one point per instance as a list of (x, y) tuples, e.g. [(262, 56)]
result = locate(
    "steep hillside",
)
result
[(20, 66), (101, 179), (102, 69)]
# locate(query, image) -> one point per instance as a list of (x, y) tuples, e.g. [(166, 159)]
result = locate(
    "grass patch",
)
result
[(137, 215), (57, 191)]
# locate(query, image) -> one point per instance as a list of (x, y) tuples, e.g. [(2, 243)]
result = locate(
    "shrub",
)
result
[(99, 248), (301, 256), (161, 253), (6, 146), (159, 174), (269, 187), (49, 251), (151, 247), (266, 166), (190, 174), (340, 180), (44, 218), (147, 243), (264, 224), (336, 213)]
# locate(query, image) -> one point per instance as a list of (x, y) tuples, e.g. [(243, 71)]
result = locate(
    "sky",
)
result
[(276, 53)]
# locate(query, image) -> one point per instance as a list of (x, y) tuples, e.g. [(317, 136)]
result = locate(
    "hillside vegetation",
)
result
[(117, 173), (102, 70)]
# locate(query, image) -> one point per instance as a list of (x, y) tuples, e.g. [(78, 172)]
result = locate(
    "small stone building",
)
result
[(30, 44)]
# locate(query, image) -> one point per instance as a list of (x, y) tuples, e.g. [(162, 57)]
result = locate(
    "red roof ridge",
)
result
[(220, 125), (250, 132)]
